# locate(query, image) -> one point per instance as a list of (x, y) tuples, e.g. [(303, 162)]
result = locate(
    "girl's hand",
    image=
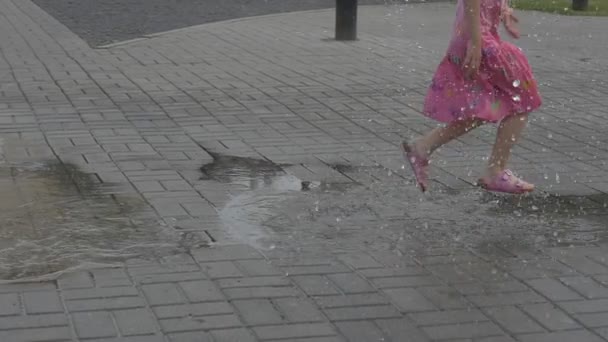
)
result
[(510, 22), (472, 59)]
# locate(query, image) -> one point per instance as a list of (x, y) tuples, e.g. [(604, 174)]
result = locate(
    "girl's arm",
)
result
[(473, 19), (472, 59)]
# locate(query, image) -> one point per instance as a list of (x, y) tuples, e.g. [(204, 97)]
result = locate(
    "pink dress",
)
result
[(504, 85)]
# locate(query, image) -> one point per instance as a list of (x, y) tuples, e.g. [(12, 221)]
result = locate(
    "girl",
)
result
[(481, 79)]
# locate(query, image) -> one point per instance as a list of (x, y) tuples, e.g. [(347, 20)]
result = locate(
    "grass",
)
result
[(596, 7)]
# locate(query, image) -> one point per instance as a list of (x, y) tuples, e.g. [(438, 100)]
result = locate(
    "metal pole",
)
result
[(346, 19)]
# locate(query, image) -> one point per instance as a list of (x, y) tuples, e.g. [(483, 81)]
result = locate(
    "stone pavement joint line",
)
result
[(141, 119)]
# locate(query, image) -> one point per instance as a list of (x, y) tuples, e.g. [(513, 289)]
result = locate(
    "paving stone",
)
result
[(199, 309), (253, 282), (94, 324), (163, 294), (445, 297), (256, 268), (258, 312), (448, 317), (315, 285), (105, 304), (75, 281), (42, 302), (564, 336), (550, 316), (146, 338), (464, 330), (33, 321), (554, 290), (410, 281), (37, 334), (342, 301), (201, 291), (360, 261), (360, 331), (298, 310), (585, 306), (260, 292), (203, 323), (502, 299), (10, 304), (135, 322), (513, 320), (221, 269), (294, 331), (199, 336), (593, 320), (393, 272), (351, 283), (586, 286), (315, 270), (118, 291), (409, 300), (232, 335), (362, 313), (226, 253), (397, 329)]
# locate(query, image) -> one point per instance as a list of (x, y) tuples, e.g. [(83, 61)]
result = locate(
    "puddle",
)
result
[(253, 215), (273, 210), (58, 218)]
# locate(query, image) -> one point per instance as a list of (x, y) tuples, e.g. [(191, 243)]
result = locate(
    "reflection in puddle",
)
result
[(57, 218)]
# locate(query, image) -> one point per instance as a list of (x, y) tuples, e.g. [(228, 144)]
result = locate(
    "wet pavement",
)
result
[(164, 190)]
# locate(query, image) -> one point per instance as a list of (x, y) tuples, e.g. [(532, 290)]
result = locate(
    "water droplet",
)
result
[(516, 83), (550, 136), (557, 177), (545, 176), (516, 98), (338, 219)]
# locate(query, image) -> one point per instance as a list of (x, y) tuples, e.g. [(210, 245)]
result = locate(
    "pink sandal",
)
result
[(506, 182), (418, 164)]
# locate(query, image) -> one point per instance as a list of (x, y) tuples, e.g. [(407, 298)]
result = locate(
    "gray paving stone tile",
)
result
[(575, 335), (232, 335), (360, 331), (409, 300), (350, 283), (513, 320), (135, 322), (258, 312), (550, 316), (37, 334), (315, 285), (466, 330), (295, 331), (298, 310), (10, 304), (42, 302), (201, 291), (94, 324)]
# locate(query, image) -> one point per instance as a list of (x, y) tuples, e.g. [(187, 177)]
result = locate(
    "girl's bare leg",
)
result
[(509, 132), (428, 143)]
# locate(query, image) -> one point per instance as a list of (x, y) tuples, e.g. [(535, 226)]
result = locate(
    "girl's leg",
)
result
[(427, 144), (418, 152), (497, 177), (509, 132)]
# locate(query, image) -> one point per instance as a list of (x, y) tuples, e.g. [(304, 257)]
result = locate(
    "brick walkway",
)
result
[(145, 116)]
